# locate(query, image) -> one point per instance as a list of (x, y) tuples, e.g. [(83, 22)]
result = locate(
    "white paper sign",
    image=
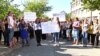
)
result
[(61, 17), (30, 16), (50, 27)]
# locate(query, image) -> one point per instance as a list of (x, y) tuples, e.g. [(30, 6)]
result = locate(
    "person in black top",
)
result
[(31, 31), (5, 32)]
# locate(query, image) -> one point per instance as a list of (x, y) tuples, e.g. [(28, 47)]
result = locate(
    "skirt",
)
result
[(23, 34)]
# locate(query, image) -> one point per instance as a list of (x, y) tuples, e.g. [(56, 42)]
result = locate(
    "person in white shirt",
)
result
[(85, 32), (56, 35), (38, 31), (11, 24)]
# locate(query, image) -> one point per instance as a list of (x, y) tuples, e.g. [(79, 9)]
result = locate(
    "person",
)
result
[(16, 31), (85, 33), (75, 31), (38, 31), (80, 31), (44, 36), (5, 32), (0, 31), (98, 29), (68, 29), (30, 30), (95, 39), (24, 33), (62, 30), (56, 35), (10, 28), (90, 33)]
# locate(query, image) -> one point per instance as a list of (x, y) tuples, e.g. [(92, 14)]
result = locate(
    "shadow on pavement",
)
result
[(68, 44)]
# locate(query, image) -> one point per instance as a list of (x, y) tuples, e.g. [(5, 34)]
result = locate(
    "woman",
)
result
[(30, 30), (5, 32), (90, 33), (75, 31), (38, 31), (95, 39), (56, 35), (11, 26), (24, 33), (16, 31), (84, 32), (98, 29), (68, 29), (44, 36)]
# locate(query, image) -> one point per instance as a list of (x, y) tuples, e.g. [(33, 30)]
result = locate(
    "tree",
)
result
[(38, 6), (15, 10), (68, 15), (5, 6), (91, 5)]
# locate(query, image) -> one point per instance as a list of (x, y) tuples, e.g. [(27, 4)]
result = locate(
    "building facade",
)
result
[(78, 11)]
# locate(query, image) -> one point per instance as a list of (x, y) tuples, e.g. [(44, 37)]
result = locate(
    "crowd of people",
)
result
[(83, 31)]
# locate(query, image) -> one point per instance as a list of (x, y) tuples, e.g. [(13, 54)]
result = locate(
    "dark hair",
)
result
[(37, 20), (91, 22), (77, 18), (9, 12), (97, 21)]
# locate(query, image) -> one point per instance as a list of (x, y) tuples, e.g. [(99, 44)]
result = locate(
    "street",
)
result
[(48, 49)]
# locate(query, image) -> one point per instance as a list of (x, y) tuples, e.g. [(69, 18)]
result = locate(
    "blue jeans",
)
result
[(56, 37), (25, 41), (75, 34), (11, 34), (68, 32), (85, 38)]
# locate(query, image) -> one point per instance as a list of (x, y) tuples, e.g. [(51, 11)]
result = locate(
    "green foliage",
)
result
[(15, 10), (68, 15), (91, 4), (5, 6), (38, 6)]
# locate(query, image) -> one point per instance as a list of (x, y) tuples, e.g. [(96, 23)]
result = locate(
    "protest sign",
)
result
[(61, 17), (30, 16), (50, 27)]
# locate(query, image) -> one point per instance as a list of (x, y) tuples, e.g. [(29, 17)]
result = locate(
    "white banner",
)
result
[(30, 16), (61, 17), (50, 27)]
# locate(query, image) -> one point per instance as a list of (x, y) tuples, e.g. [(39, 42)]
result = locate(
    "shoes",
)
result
[(93, 46), (27, 45), (84, 45), (96, 47), (39, 45), (56, 44)]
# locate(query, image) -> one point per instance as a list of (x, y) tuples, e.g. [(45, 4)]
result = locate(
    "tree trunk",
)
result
[(91, 15)]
